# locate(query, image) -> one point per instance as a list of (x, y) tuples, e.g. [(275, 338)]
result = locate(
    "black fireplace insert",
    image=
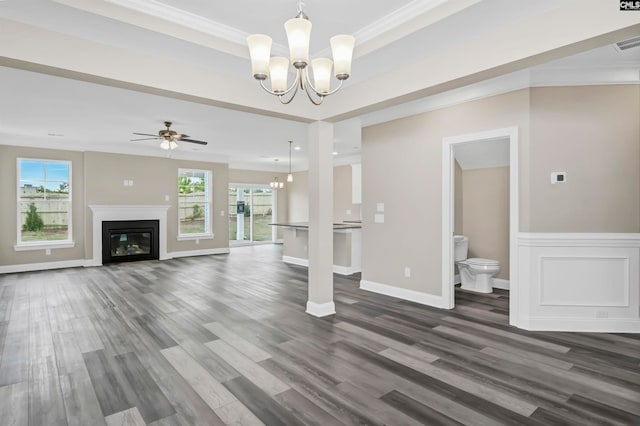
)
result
[(130, 240)]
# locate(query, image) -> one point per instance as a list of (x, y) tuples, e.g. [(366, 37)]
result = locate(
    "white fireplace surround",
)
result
[(103, 213)]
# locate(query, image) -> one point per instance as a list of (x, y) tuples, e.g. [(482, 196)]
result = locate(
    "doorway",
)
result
[(448, 190), (252, 208)]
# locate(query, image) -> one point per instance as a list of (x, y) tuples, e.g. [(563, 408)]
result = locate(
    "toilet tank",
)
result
[(460, 247)]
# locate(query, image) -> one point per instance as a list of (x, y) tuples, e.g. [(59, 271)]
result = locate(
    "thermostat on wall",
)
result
[(558, 177)]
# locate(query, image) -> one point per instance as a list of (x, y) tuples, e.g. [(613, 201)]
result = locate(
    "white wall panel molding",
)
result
[(579, 282)]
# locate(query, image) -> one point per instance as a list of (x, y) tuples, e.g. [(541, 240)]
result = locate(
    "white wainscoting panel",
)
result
[(579, 282)]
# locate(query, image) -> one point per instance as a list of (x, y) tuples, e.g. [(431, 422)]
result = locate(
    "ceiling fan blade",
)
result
[(144, 134), (193, 141), (143, 139)]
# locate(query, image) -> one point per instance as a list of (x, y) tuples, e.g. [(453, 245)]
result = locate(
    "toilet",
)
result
[(476, 274)]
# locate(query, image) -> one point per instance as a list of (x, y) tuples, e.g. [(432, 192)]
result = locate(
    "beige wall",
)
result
[(409, 152), (8, 208), (485, 214), (97, 178), (153, 179), (259, 177), (593, 134), (343, 208)]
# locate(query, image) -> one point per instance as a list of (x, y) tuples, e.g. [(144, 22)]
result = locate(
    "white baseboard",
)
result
[(595, 325), (203, 252), (501, 284), (337, 269), (28, 267), (295, 261), (405, 294), (321, 309)]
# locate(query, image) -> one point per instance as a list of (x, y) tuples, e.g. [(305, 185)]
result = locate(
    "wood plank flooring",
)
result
[(218, 340)]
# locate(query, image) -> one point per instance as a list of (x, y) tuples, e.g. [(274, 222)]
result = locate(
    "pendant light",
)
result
[(290, 175)]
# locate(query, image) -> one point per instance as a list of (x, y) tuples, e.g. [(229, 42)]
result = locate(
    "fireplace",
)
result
[(130, 240)]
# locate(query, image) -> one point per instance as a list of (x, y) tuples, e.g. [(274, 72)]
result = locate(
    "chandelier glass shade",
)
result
[(298, 29)]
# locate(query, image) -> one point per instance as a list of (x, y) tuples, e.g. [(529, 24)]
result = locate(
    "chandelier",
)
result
[(275, 183), (298, 30)]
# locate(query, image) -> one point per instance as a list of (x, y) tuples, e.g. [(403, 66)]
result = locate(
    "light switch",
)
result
[(125, 182), (380, 207), (166, 198), (348, 211), (378, 218), (221, 212)]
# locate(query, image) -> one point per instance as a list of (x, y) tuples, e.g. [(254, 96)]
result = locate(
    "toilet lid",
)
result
[(483, 262)]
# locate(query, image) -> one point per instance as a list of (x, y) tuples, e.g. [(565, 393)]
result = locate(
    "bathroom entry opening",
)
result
[(448, 210)]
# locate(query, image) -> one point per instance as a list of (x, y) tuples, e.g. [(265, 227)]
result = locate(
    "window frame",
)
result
[(209, 201), (39, 245)]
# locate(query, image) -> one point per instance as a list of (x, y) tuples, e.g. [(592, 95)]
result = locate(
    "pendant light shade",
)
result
[(322, 74), (279, 70), (260, 51), (342, 49), (298, 34)]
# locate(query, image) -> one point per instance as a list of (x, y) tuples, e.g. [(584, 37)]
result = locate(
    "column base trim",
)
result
[(321, 309)]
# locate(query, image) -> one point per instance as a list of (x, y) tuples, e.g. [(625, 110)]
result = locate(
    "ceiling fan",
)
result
[(169, 138)]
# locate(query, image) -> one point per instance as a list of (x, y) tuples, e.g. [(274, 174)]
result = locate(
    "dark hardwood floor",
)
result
[(224, 340)]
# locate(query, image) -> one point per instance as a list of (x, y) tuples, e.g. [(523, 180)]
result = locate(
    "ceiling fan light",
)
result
[(260, 51), (322, 74), (165, 144), (298, 33), (342, 48), (279, 71)]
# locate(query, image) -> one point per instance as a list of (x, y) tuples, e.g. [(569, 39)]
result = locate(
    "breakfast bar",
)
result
[(347, 245)]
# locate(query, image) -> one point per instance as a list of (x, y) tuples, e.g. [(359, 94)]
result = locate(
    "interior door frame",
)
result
[(448, 169)]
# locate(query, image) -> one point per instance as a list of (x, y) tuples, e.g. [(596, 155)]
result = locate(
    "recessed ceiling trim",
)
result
[(628, 44), (184, 18)]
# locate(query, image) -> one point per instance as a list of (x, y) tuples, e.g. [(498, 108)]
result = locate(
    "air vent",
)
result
[(628, 44)]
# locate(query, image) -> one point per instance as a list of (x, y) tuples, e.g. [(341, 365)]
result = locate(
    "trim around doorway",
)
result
[(448, 296)]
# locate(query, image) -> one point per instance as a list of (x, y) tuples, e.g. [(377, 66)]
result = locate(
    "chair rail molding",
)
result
[(587, 282)]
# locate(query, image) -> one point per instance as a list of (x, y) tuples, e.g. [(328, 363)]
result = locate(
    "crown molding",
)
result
[(182, 17)]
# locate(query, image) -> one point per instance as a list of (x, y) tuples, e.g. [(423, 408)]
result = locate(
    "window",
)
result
[(44, 202), (194, 203)]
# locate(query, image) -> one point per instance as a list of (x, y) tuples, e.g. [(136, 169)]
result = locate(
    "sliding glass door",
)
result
[(251, 210)]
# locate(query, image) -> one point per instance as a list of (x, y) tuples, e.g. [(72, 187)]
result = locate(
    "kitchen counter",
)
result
[(347, 245)]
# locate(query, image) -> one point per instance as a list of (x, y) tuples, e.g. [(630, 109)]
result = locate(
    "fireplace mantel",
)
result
[(126, 212)]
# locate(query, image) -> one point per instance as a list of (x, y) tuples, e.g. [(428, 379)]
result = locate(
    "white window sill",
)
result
[(43, 245), (190, 237)]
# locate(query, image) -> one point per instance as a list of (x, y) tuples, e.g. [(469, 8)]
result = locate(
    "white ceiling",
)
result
[(185, 61)]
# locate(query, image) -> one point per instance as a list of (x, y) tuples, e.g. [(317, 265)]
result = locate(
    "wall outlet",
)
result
[(378, 218), (197, 241), (47, 252), (602, 314), (167, 198), (407, 272), (221, 212), (348, 211), (125, 182)]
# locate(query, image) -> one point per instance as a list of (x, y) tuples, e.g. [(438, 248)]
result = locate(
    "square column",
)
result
[(320, 136)]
